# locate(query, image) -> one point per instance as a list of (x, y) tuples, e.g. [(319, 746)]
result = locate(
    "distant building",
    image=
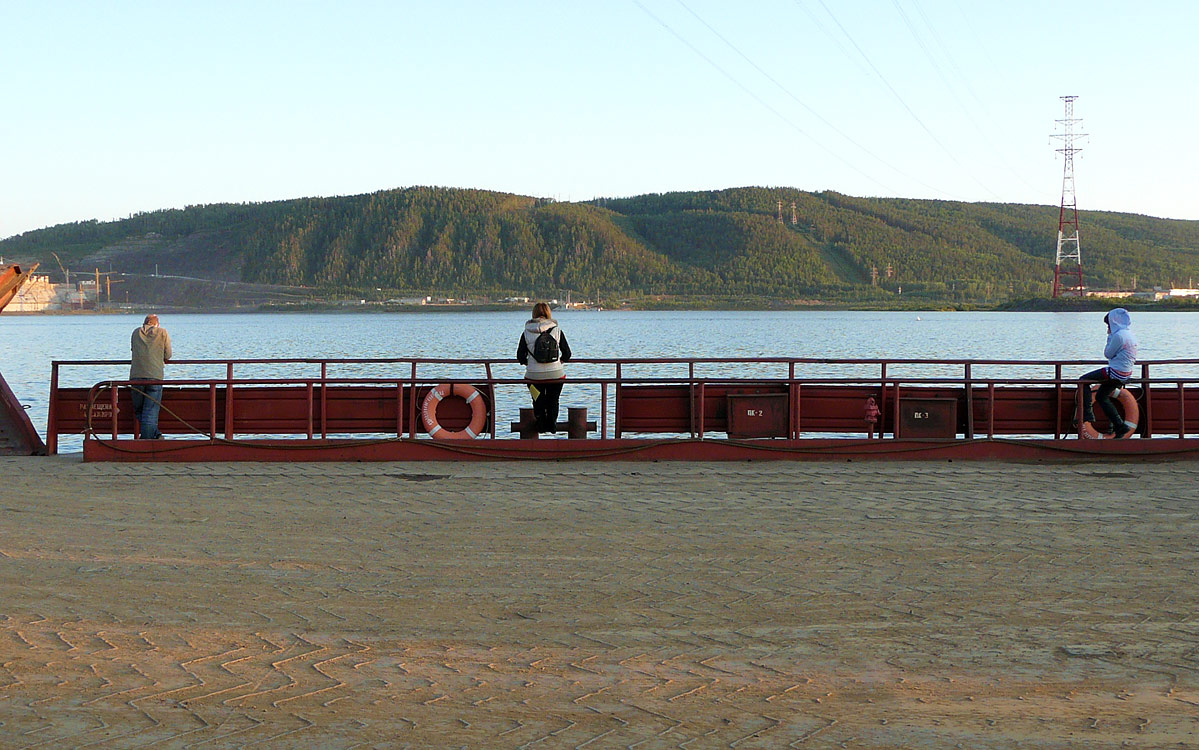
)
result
[(38, 294), (1156, 295), (1159, 293)]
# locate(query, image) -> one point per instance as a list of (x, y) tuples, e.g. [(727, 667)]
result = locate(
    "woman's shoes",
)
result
[(1125, 431)]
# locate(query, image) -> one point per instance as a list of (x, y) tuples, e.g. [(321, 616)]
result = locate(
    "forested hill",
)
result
[(726, 244)]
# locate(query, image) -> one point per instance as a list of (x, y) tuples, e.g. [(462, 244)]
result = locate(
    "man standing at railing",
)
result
[(151, 349), (1121, 353)]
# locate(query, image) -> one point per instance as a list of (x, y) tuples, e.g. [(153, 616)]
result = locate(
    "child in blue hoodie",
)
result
[(1121, 353)]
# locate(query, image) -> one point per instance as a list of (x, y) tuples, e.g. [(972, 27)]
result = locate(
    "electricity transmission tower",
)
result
[(1067, 222)]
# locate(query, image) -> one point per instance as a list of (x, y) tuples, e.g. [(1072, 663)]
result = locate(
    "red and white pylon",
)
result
[(1067, 223)]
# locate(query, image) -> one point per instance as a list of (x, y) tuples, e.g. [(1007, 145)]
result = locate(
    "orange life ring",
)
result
[(470, 394), (1132, 415)]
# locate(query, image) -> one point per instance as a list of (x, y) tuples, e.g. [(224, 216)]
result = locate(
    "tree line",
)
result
[(719, 243)]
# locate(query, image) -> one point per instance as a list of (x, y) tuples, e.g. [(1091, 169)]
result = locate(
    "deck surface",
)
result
[(547, 605)]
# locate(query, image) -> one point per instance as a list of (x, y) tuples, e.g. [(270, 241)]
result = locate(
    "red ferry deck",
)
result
[(796, 412)]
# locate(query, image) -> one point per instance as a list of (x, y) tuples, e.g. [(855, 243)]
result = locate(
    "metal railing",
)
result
[(791, 375)]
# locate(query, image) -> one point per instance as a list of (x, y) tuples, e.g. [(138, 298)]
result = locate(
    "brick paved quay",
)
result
[(521, 605)]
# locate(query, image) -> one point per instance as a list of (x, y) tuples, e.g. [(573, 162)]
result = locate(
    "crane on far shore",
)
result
[(66, 274), (108, 282)]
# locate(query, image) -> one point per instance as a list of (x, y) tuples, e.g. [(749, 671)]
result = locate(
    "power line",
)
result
[(759, 99), (903, 102), (978, 42), (803, 104), (818, 24), (949, 85)]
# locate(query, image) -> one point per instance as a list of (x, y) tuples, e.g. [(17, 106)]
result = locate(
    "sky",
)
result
[(115, 108)]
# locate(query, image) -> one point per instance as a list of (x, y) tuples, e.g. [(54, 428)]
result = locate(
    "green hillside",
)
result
[(724, 244)]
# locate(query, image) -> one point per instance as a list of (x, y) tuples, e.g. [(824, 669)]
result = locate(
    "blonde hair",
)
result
[(542, 310)]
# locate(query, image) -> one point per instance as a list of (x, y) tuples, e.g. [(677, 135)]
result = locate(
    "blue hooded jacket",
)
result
[(1121, 349)]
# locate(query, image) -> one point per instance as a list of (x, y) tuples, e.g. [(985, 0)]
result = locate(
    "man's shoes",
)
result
[(1124, 431)]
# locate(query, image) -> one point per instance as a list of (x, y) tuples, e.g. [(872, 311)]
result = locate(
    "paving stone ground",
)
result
[(581, 605)]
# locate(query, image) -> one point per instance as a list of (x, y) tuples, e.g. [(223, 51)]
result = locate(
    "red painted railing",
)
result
[(788, 405)]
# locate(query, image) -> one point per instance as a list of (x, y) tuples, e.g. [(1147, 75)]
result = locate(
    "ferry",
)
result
[(628, 409)]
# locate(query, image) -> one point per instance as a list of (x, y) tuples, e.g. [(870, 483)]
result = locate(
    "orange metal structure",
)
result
[(11, 279)]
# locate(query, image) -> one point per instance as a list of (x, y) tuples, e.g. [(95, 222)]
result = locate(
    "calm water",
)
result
[(29, 343)]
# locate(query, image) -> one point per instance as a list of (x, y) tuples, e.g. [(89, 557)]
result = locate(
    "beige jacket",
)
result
[(151, 347)]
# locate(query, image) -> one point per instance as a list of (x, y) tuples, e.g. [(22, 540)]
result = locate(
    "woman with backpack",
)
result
[(543, 350)]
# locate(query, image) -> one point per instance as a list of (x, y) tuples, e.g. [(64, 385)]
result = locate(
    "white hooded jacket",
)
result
[(535, 370), (1121, 349)]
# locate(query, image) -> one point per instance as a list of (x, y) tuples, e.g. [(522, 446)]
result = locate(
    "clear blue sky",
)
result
[(112, 108)]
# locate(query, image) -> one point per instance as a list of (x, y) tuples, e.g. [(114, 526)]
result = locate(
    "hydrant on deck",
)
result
[(871, 415)]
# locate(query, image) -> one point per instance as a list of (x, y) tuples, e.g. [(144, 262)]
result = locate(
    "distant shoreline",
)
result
[(1095, 305)]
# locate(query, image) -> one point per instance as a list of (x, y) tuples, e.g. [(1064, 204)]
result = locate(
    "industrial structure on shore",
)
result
[(39, 294), (1069, 282), (26, 291)]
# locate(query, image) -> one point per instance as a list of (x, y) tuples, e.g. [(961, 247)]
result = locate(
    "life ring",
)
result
[(1132, 414), (468, 393)]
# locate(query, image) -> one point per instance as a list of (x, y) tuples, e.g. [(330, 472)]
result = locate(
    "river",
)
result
[(28, 344)]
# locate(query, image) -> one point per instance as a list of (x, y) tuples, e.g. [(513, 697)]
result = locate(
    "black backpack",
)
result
[(545, 348)]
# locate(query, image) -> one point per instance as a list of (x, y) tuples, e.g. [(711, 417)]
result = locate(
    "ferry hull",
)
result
[(687, 449)]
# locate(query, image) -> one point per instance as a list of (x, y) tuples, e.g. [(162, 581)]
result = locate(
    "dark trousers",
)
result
[(1103, 396), (545, 403)]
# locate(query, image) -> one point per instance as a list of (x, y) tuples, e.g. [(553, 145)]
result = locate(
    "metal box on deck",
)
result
[(928, 417), (755, 415)]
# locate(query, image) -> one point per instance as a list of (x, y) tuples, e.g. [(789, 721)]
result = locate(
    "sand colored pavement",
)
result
[(598, 605)]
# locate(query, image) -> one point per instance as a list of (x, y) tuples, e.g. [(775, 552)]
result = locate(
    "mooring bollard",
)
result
[(576, 423), (527, 426)]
